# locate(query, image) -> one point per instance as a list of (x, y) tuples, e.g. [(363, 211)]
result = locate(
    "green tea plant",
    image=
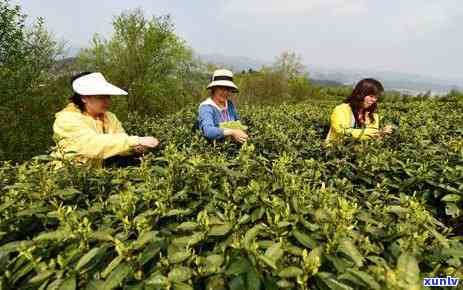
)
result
[(233, 125), (283, 211)]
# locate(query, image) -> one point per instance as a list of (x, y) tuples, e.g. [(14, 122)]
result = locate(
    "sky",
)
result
[(414, 36)]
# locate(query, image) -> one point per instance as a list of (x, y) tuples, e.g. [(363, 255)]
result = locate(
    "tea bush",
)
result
[(283, 211)]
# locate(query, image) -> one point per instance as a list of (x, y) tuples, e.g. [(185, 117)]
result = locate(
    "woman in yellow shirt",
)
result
[(357, 117), (85, 131)]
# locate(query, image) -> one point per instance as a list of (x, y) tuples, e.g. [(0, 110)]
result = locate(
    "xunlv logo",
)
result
[(434, 282)]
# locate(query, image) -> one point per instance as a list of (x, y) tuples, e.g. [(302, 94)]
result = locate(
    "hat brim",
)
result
[(228, 84), (99, 89)]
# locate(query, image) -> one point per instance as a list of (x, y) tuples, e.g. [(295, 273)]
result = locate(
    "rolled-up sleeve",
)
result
[(206, 124)]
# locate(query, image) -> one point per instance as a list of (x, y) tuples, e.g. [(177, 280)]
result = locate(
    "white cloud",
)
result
[(430, 16), (294, 7), (350, 8), (427, 18)]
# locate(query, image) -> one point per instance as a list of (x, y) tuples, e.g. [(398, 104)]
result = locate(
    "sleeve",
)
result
[(117, 125), (233, 109), (375, 124), (206, 124), (340, 123), (119, 129), (84, 141)]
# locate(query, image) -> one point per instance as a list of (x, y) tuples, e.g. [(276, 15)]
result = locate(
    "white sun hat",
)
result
[(222, 78), (95, 84)]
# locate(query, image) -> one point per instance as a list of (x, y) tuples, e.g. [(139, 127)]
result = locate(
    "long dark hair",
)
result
[(366, 87), (77, 98)]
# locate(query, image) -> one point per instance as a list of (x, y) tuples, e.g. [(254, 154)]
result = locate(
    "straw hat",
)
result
[(222, 78), (95, 84)]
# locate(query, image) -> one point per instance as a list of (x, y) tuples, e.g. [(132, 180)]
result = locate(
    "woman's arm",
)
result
[(118, 128), (116, 124), (207, 126), (233, 110), (341, 124), (375, 124), (82, 140)]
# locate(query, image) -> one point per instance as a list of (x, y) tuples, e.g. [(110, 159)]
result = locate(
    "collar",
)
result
[(72, 108), (209, 101)]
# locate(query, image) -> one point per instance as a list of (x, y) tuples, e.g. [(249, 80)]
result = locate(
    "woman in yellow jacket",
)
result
[(88, 133), (357, 117)]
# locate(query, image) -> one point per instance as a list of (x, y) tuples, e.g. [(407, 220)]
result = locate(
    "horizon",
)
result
[(451, 84)]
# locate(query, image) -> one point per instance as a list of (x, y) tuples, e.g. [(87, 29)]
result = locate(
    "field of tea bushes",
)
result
[(283, 211)]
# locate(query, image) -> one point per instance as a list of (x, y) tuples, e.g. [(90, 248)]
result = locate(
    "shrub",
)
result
[(282, 211)]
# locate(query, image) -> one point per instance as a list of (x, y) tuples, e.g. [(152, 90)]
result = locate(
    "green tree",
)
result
[(289, 64), (284, 81), (148, 59), (299, 88), (26, 98), (454, 94), (11, 44)]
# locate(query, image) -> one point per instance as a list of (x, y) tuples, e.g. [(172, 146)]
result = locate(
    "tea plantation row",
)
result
[(283, 211)]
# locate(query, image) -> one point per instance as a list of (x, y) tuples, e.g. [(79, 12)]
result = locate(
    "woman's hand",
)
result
[(239, 135), (387, 130), (149, 142), (139, 149)]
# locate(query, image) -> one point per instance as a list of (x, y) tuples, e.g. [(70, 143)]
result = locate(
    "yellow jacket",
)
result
[(341, 123), (87, 140)]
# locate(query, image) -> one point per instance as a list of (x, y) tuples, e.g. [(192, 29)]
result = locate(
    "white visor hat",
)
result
[(95, 84), (222, 78)]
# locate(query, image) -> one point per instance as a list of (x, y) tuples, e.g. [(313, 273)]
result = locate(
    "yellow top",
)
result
[(87, 140), (341, 123)]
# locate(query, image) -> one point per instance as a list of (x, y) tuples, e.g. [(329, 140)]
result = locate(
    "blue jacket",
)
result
[(210, 116)]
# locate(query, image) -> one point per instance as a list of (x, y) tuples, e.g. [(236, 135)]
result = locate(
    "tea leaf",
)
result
[(253, 280), (331, 282), (290, 272), (68, 284), (180, 274), (90, 256), (348, 248), (15, 246), (304, 239), (239, 266), (219, 230), (408, 271), (188, 240), (117, 276), (360, 278), (59, 235), (111, 266)]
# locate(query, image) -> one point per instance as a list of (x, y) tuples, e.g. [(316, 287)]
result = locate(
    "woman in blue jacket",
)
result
[(218, 110)]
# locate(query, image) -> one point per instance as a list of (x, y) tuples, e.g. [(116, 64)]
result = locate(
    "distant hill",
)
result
[(326, 83), (235, 63), (72, 51), (403, 82), (398, 81)]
